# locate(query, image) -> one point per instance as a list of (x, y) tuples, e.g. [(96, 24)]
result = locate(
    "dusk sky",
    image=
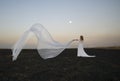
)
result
[(97, 20)]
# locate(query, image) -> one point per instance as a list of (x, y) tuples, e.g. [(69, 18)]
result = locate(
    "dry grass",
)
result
[(65, 67)]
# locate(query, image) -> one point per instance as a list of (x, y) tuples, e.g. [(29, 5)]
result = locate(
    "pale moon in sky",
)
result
[(70, 22)]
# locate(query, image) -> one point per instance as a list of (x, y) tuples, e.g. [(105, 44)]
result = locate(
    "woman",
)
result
[(80, 51)]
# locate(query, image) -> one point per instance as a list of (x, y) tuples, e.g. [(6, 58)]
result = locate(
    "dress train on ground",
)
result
[(81, 52)]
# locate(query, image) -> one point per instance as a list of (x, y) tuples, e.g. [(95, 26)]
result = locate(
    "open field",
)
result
[(66, 67)]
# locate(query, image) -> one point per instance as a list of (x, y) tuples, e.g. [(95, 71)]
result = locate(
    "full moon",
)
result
[(70, 22)]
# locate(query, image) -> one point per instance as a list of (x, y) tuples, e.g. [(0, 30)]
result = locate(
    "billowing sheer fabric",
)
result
[(47, 46)]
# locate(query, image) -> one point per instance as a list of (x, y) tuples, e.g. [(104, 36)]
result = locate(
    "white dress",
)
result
[(81, 52)]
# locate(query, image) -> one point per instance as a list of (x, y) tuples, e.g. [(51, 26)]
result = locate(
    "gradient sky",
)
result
[(97, 20)]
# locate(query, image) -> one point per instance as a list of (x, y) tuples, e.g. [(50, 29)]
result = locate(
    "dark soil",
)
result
[(66, 67)]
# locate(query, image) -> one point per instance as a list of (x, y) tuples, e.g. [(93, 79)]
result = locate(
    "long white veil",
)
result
[(47, 46)]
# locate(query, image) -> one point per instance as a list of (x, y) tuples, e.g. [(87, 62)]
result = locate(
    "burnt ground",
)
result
[(66, 67)]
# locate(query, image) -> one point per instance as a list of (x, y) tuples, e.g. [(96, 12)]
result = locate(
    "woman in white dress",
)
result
[(47, 46), (80, 51)]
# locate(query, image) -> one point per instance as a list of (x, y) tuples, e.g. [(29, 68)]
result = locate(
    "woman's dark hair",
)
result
[(81, 38)]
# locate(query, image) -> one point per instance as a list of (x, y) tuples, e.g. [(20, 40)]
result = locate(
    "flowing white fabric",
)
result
[(81, 52), (19, 45), (47, 46)]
